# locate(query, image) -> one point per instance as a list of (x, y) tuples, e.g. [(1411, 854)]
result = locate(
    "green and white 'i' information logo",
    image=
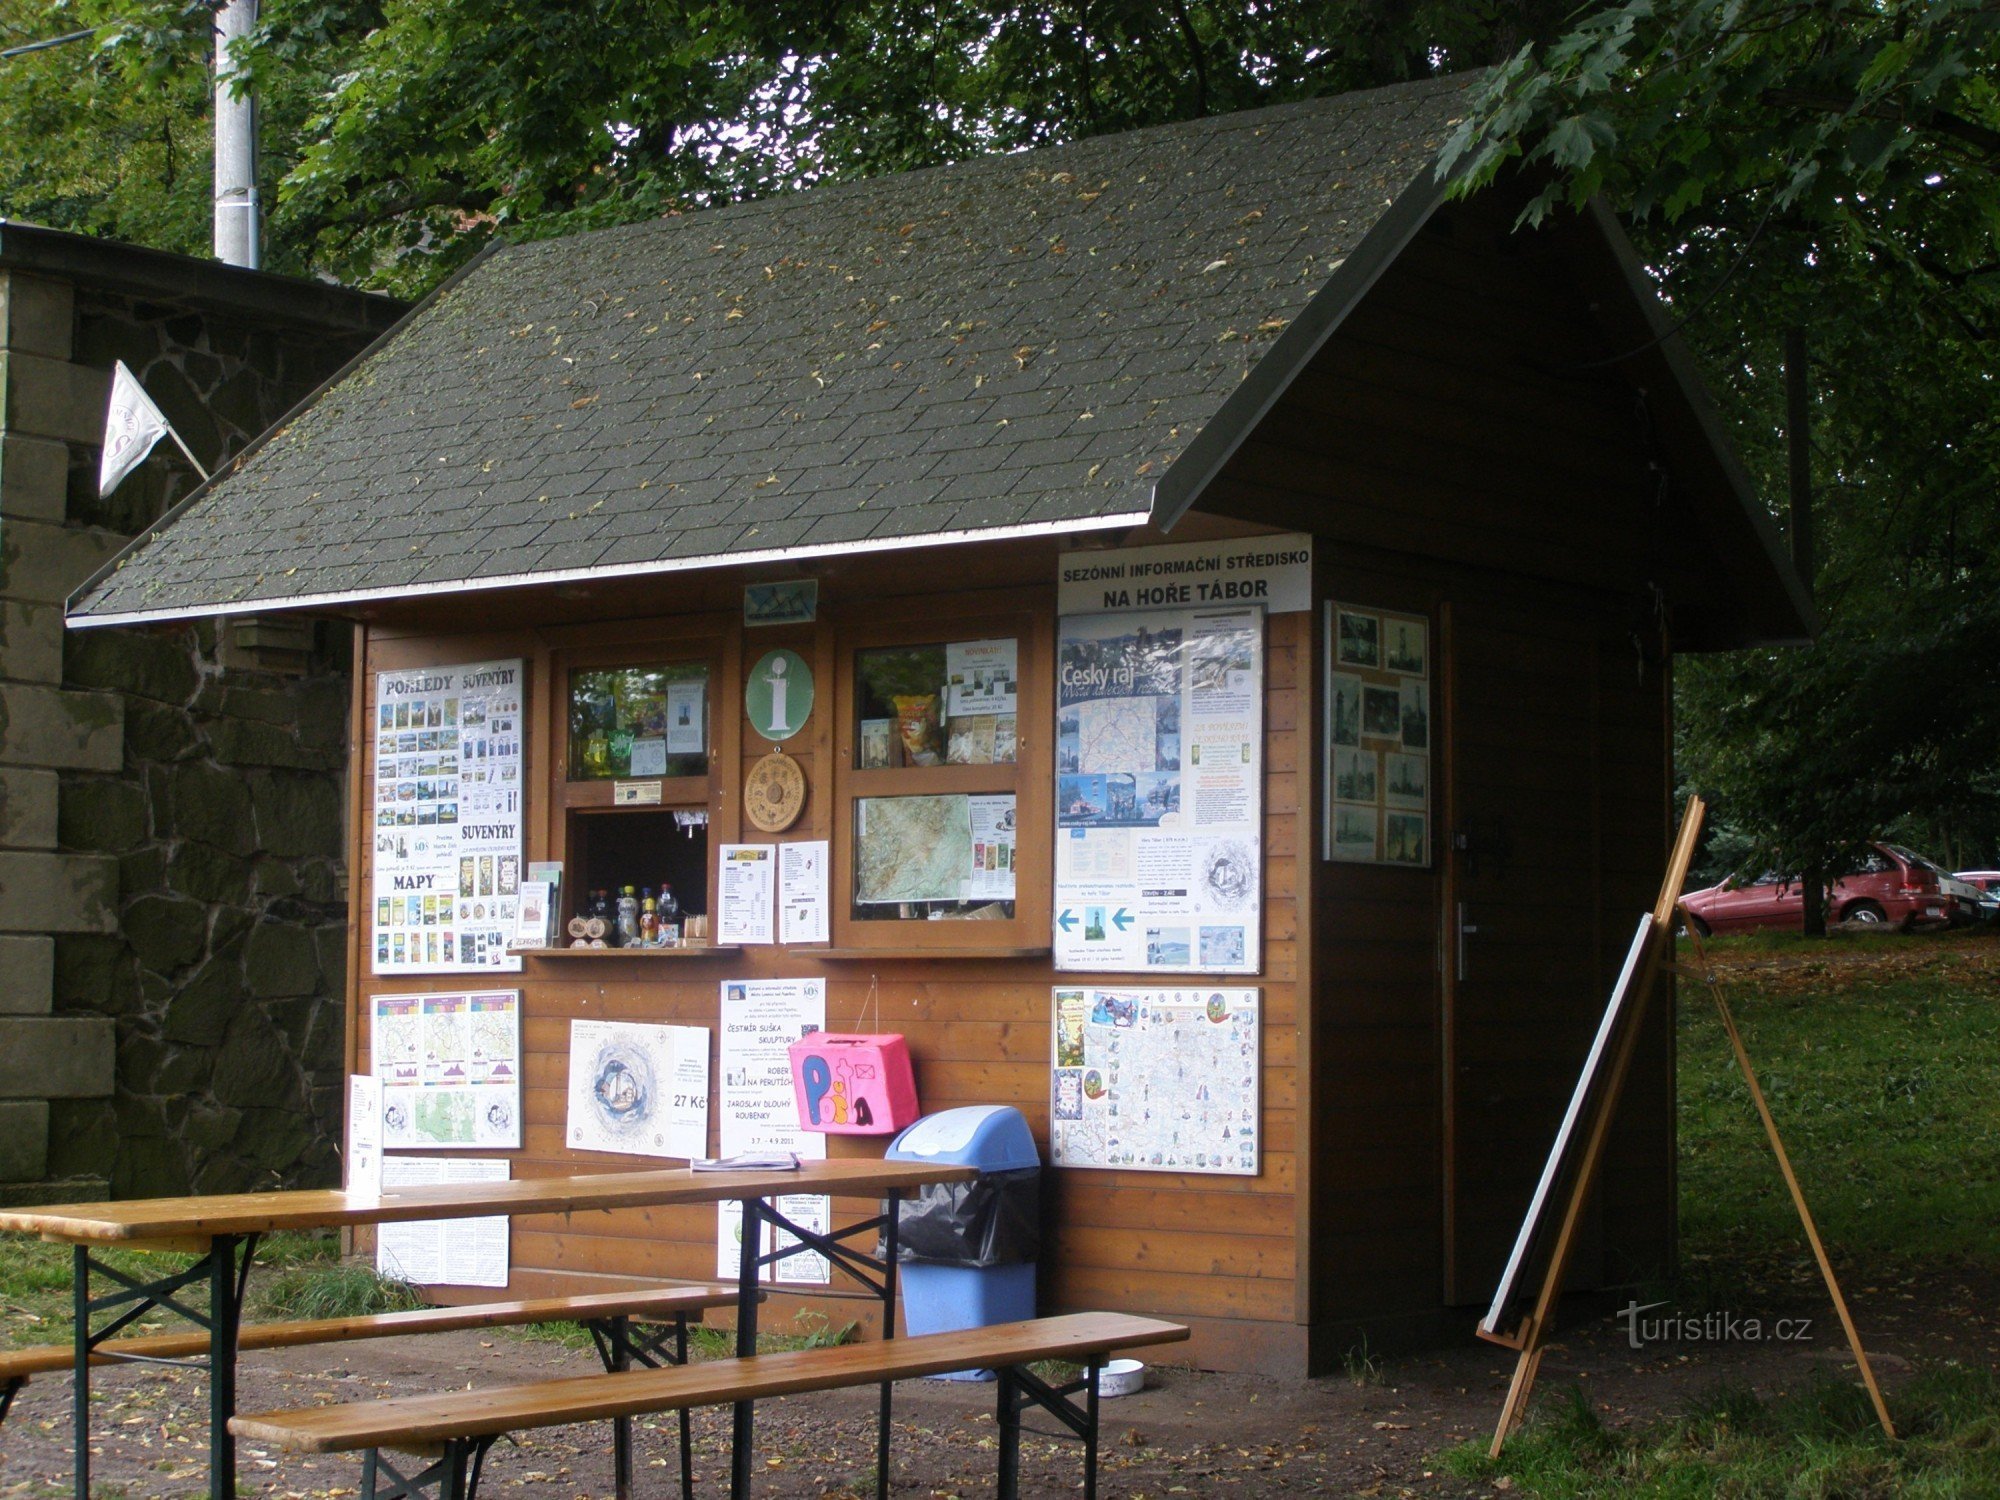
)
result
[(779, 694)]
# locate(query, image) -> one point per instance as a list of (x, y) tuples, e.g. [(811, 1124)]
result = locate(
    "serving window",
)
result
[(634, 788), (941, 808)]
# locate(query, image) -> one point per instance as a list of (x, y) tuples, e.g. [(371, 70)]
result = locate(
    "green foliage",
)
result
[(350, 1290), (1833, 167)]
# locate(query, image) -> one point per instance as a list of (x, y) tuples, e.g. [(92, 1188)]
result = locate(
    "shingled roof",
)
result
[(1017, 344)]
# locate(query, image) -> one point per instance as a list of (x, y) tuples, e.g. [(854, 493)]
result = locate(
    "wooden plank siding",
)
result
[(1454, 459), (1219, 1251)]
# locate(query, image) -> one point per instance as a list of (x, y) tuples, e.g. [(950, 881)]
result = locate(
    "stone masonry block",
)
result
[(37, 316), (57, 892), (24, 1140), (57, 1057), (53, 398), (31, 640), (34, 478), (27, 975), (72, 731), (27, 808), (46, 564)]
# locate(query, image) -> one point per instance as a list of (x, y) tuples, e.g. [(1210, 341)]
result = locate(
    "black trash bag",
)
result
[(994, 1220)]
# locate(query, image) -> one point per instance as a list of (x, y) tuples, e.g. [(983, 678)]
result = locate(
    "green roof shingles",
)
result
[(1026, 340)]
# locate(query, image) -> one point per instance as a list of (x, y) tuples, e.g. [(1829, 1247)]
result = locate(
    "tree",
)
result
[(1833, 167)]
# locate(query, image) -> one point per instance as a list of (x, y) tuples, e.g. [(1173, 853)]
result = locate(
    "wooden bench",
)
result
[(616, 1321), (459, 1426)]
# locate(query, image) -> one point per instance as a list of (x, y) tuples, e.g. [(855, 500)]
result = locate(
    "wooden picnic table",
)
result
[(221, 1232)]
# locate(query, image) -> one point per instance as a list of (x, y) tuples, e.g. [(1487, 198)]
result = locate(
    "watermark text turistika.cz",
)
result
[(1708, 1328)]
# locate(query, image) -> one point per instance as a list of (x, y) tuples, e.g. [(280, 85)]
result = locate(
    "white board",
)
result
[(1156, 1080), (1560, 1166)]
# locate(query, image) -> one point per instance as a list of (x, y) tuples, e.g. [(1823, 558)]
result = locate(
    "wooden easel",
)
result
[(1531, 1337)]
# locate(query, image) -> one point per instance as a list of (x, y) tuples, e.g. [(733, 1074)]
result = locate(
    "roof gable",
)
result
[(1019, 343)]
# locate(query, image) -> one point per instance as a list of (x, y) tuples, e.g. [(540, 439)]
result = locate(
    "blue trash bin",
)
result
[(967, 1250)]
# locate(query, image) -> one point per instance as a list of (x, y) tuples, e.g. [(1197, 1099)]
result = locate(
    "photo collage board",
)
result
[(447, 818), (1159, 791), (1379, 718)]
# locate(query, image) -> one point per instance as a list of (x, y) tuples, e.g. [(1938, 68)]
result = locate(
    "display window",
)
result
[(634, 789), (941, 817)]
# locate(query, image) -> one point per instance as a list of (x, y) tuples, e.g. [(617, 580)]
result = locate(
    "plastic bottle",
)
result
[(670, 917), (628, 917), (649, 920)]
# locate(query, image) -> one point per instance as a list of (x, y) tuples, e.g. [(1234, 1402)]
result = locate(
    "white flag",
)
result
[(131, 427)]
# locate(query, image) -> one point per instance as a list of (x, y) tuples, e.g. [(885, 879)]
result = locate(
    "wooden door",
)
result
[(1521, 920)]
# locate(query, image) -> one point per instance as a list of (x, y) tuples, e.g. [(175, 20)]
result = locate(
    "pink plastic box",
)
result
[(853, 1085)]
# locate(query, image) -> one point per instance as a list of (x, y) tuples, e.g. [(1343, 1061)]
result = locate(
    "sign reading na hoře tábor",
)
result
[(1274, 571), (1159, 791), (779, 694)]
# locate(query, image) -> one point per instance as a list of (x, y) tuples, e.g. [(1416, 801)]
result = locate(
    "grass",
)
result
[(1814, 1444), (1877, 1055), (297, 1276)]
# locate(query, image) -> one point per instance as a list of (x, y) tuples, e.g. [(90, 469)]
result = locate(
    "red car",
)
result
[(1887, 884)]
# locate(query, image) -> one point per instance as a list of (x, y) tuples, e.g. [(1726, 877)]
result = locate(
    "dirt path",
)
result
[(1189, 1433)]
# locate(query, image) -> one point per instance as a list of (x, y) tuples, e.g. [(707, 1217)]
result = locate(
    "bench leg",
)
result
[(7, 1391), (618, 1345), (454, 1476), (1020, 1388)]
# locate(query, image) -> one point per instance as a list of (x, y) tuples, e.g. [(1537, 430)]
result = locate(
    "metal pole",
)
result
[(237, 237)]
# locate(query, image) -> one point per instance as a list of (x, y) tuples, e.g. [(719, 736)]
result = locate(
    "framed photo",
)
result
[(1355, 775), (1404, 840), (1407, 781), (1405, 648), (1381, 712), (1358, 639), (1343, 698), (1415, 714), (793, 602)]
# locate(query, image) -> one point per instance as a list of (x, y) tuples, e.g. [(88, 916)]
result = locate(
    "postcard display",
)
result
[(1156, 1080), (1378, 736), (448, 783), (1159, 791)]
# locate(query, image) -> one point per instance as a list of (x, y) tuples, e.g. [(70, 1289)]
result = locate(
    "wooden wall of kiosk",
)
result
[(1454, 456)]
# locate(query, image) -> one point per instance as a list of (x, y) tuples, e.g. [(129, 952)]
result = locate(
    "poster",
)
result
[(687, 719), (1159, 791), (1377, 791), (980, 677), (364, 1137), (948, 849), (803, 902), (443, 1252), (748, 885), (638, 1090), (447, 818), (761, 1018), (1156, 1080), (450, 1067)]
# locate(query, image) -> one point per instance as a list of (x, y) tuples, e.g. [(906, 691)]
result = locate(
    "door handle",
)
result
[(1465, 928)]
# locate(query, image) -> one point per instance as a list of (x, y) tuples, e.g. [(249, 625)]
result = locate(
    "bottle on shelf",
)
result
[(670, 917), (649, 919), (628, 917)]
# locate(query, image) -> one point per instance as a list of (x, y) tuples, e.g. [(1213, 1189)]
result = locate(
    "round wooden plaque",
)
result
[(774, 792)]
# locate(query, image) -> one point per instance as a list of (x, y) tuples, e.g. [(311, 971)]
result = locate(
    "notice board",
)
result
[(1159, 791), (1156, 1080)]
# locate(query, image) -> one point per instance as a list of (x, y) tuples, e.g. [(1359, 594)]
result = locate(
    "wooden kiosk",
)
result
[(1452, 499)]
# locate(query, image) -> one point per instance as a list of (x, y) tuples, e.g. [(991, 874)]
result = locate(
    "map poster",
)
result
[(450, 1066), (949, 850), (761, 1018), (638, 1090), (443, 1252), (447, 818), (1159, 791), (1156, 1080)]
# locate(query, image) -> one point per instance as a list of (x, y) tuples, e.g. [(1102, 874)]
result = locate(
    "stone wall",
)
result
[(172, 889)]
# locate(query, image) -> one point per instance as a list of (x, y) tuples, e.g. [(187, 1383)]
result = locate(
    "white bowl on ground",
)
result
[(1121, 1377)]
